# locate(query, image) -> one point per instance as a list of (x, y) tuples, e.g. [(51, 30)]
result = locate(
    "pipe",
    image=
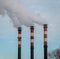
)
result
[(45, 41), (19, 42), (32, 41)]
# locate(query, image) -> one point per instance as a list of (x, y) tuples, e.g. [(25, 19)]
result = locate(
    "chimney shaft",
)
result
[(32, 41), (19, 42), (45, 41)]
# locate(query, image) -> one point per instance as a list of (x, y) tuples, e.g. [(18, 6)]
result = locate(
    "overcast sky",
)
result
[(50, 11)]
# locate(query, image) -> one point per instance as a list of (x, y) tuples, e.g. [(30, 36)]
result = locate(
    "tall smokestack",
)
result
[(32, 41), (45, 41), (19, 42)]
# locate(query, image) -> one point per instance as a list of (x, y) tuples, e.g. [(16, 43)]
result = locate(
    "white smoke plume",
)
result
[(18, 13)]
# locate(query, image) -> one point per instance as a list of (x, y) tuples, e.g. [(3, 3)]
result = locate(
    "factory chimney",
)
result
[(19, 42), (32, 41), (45, 41)]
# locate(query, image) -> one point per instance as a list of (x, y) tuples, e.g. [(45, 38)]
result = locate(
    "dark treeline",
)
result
[(54, 54)]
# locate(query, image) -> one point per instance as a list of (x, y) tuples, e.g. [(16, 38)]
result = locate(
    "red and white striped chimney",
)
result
[(45, 41), (19, 42), (32, 41)]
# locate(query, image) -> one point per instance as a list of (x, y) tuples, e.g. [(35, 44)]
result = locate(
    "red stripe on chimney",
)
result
[(45, 35), (19, 46), (45, 43)]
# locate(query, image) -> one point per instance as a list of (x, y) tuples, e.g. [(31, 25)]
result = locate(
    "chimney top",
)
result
[(19, 28), (45, 25)]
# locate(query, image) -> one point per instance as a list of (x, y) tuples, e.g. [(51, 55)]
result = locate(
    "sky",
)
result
[(50, 11)]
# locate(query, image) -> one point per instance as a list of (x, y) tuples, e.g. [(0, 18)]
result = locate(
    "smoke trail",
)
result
[(19, 14)]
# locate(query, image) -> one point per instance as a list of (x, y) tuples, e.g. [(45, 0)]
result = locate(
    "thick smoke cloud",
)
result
[(18, 13)]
